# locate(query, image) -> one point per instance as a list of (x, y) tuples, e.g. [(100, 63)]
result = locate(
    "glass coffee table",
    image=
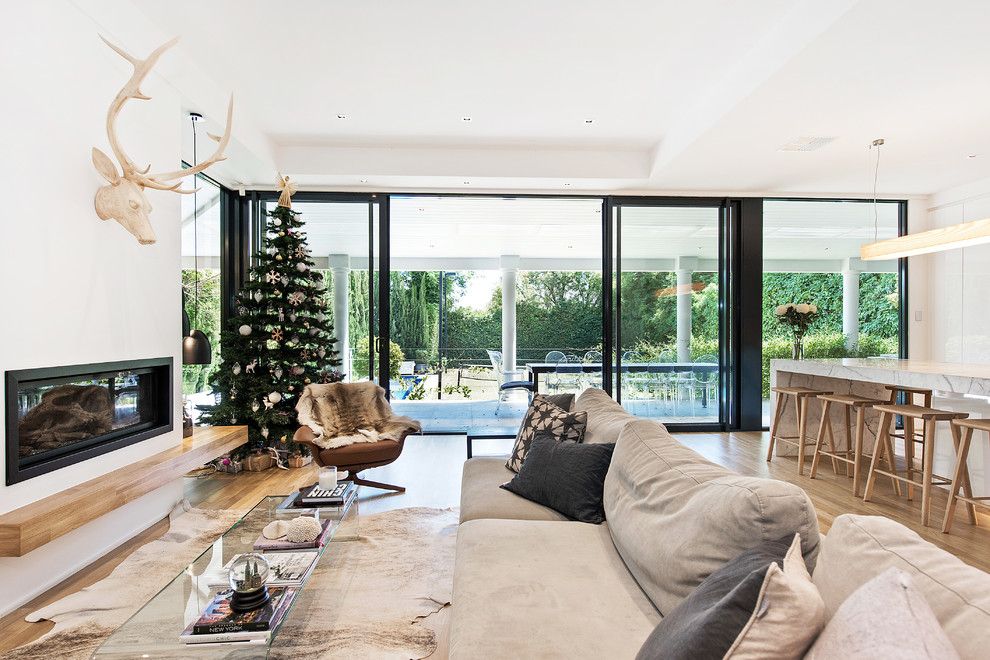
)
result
[(153, 631)]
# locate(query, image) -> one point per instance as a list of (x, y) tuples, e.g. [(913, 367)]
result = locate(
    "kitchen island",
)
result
[(957, 387)]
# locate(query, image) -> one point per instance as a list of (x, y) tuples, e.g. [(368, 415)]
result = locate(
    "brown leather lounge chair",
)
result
[(354, 458), (342, 409)]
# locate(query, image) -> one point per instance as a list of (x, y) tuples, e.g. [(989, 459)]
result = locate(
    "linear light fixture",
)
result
[(962, 235)]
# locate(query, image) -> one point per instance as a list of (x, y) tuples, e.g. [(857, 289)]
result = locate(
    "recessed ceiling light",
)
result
[(589, 121), (421, 210), (566, 184), (465, 119), (467, 183), (807, 143), (341, 116), (364, 181), (973, 155)]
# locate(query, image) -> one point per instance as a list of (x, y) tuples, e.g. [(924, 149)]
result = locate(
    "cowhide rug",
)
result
[(373, 597)]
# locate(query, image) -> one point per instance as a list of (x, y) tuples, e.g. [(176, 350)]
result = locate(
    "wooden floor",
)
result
[(430, 468)]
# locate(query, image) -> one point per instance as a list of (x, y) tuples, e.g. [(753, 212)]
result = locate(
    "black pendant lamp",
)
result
[(196, 347)]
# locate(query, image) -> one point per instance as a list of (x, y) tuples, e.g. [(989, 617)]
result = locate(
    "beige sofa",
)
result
[(530, 584)]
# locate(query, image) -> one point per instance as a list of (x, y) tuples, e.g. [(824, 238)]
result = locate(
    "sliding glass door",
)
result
[(668, 292)]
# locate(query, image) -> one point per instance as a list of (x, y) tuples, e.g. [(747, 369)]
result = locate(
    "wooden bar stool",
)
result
[(962, 434), (919, 396), (801, 396), (929, 418), (853, 455)]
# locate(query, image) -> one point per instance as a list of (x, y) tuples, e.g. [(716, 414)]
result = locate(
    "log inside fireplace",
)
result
[(59, 416)]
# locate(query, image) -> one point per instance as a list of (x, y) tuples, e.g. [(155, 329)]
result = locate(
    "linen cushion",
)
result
[(676, 518), (857, 548), (566, 476), (706, 623), (605, 417), (548, 590), (543, 415), (749, 608), (886, 617)]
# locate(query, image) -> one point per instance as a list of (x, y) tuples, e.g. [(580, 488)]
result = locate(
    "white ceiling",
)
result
[(683, 96)]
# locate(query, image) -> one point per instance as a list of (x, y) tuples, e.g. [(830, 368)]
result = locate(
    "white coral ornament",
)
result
[(303, 529), (276, 529)]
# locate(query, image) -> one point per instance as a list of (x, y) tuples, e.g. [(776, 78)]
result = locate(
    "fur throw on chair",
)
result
[(345, 413)]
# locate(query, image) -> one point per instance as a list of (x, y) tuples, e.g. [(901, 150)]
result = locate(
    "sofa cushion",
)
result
[(566, 476), (481, 496), (544, 416), (537, 589), (857, 548), (885, 618), (676, 517), (605, 417), (762, 604)]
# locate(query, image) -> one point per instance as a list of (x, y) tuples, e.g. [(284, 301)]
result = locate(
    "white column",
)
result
[(340, 266), (685, 267), (510, 269), (850, 302)]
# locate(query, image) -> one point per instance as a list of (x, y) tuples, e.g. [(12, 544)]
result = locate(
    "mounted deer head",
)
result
[(124, 199)]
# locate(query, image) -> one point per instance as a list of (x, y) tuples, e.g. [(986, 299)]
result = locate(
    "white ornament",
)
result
[(245, 330), (277, 222), (274, 397), (271, 277), (285, 280), (313, 331), (258, 296), (276, 529), (281, 315), (292, 317), (322, 352), (298, 371), (278, 372), (236, 368), (254, 406), (264, 431), (301, 267), (251, 365), (320, 316), (296, 297), (303, 529)]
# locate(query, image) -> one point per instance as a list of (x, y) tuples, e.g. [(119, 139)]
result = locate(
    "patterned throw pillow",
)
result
[(543, 415)]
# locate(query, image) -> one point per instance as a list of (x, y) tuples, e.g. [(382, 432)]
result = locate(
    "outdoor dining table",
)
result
[(537, 368)]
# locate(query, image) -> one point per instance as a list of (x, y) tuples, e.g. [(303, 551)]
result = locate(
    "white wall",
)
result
[(76, 289), (959, 284)]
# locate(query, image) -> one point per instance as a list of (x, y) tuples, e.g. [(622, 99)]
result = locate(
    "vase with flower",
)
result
[(798, 317)]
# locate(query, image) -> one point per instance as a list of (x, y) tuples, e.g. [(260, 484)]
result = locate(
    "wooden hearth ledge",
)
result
[(31, 526)]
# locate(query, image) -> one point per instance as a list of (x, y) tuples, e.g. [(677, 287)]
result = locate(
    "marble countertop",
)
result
[(950, 377)]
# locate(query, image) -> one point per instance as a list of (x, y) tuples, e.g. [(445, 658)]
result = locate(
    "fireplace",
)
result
[(59, 416)]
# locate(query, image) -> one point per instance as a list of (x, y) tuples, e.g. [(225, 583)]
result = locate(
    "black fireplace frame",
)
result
[(163, 423)]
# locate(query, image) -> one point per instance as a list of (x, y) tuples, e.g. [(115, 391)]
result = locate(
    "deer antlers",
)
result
[(123, 199)]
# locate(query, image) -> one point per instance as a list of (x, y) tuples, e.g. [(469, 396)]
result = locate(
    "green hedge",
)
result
[(823, 345)]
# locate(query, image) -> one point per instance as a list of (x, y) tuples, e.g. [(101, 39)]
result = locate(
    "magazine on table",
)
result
[(288, 569), (267, 545), (218, 620), (314, 495)]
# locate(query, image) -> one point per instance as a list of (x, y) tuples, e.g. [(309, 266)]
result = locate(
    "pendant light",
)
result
[(961, 235), (196, 347)]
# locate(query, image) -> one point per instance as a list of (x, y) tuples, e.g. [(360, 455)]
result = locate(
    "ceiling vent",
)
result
[(807, 143)]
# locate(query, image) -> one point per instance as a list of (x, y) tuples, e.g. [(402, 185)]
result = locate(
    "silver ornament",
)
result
[(236, 368), (301, 267), (245, 330), (258, 296)]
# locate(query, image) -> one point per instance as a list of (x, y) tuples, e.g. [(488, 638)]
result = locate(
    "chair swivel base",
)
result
[(360, 481)]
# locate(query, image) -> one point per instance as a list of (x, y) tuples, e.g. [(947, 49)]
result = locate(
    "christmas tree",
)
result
[(278, 340)]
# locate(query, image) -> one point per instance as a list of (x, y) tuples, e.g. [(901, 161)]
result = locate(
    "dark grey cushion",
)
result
[(706, 623), (568, 477), (563, 401)]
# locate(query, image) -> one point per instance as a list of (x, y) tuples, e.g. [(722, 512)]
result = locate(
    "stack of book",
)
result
[(219, 623), (266, 545), (313, 496)]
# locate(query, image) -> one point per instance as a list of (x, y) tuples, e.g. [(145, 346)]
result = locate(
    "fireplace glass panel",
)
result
[(60, 415)]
